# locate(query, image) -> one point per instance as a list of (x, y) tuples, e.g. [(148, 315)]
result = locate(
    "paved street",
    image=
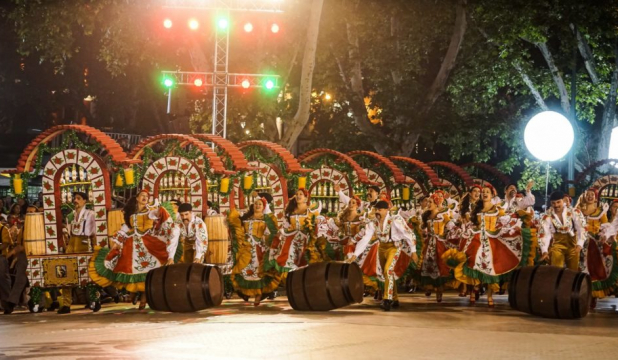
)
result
[(422, 329)]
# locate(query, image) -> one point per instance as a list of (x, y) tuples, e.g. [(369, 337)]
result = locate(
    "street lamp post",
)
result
[(549, 136)]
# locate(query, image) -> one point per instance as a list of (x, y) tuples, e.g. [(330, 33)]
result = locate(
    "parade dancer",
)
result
[(252, 234), (513, 202), (437, 224), (469, 202), (139, 246), (82, 229), (295, 244), (491, 247), (395, 250), (599, 256), (565, 228), (194, 236), (349, 224), (373, 195)]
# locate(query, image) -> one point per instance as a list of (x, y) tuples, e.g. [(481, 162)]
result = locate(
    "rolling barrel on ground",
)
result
[(184, 287), (325, 286), (550, 292)]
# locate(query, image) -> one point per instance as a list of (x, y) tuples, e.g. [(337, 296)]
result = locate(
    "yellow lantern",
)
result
[(225, 185), (405, 193), (18, 184), (119, 181), (248, 182), (129, 176), (302, 182)]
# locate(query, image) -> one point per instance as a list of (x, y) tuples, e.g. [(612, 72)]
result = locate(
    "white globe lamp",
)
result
[(549, 136)]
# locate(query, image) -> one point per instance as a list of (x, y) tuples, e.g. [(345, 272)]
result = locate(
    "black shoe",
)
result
[(54, 306), (386, 305), (8, 308), (96, 307), (395, 304), (272, 295), (64, 310), (116, 298), (244, 297), (87, 306)]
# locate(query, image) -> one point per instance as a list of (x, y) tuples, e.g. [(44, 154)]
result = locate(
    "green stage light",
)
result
[(168, 83), (269, 84), (222, 23)]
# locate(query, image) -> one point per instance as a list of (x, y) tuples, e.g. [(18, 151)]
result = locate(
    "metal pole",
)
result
[(546, 185), (571, 158), (169, 100)]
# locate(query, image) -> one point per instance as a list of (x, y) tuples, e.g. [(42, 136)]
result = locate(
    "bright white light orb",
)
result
[(549, 136)]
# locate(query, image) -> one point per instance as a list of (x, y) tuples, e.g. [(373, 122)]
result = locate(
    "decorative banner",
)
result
[(129, 176), (224, 187), (60, 272), (119, 181), (302, 182), (18, 184), (248, 182), (405, 193)]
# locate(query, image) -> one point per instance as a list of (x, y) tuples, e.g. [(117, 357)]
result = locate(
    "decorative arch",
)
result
[(292, 165), (216, 165), (323, 181), (271, 170), (99, 179), (417, 190), (396, 173), (29, 155), (423, 173), (239, 161), (309, 156), (581, 177), (455, 192), (465, 178), (192, 172), (486, 168)]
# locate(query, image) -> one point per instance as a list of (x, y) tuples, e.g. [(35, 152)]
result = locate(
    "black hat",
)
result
[(382, 204), (556, 195), (374, 188), (82, 194), (184, 207), (267, 196)]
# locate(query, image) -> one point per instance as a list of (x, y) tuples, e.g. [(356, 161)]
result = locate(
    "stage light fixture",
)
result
[(222, 23), (274, 28), (245, 84), (167, 23), (198, 82), (248, 27), (193, 24), (270, 84), (168, 83)]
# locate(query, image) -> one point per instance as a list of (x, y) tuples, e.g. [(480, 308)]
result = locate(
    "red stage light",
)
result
[(197, 82), (274, 28), (193, 24), (248, 27), (167, 23), (245, 84)]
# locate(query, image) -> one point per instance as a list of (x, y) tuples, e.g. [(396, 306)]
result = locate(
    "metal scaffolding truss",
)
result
[(233, 80), (220, 79), (227, 5)]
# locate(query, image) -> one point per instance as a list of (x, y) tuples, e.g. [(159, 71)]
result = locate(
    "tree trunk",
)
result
[(609, 113), (439, 83), (297, 124), (586, 53), (555, 73)]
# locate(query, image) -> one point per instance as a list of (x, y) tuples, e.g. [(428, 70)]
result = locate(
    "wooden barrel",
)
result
[(34, 234), (550, 291), (184, 287), (325, 286), (218, 240)]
